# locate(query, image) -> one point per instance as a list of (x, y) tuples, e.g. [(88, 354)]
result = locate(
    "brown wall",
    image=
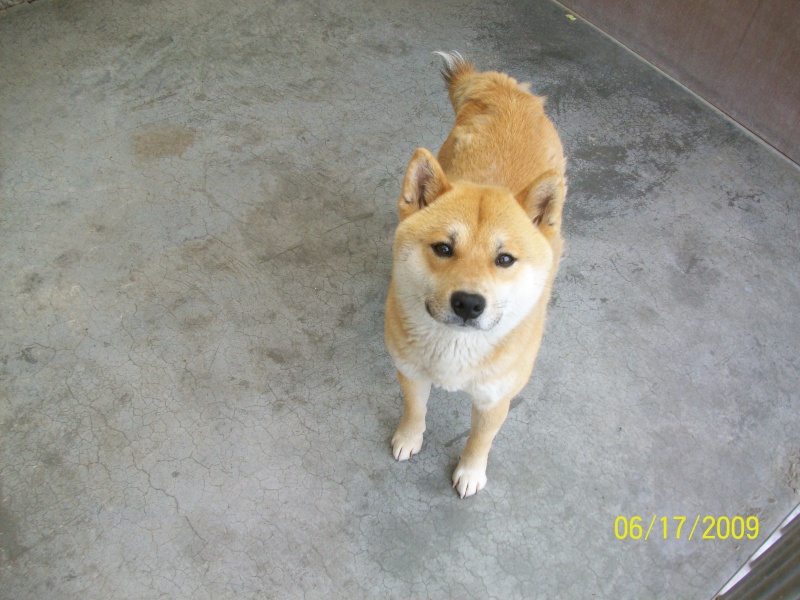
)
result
[(743, 56)]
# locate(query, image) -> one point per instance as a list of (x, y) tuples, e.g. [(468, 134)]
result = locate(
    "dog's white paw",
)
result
[(469, 480), (405, 445)]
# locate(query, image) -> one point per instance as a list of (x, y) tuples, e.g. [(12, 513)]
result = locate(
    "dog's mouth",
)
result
[(454, 320)]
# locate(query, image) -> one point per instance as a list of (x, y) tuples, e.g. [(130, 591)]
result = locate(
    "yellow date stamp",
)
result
[(678, 527)]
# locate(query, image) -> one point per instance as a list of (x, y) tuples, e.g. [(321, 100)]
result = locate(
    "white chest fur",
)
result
[(453, 359)]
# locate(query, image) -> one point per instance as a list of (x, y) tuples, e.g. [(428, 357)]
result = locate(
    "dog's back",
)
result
[(502, 135)]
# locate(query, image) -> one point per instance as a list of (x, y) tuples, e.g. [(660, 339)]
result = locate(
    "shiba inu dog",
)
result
[(475, 255)]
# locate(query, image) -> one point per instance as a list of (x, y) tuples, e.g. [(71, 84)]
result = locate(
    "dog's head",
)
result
[(473, 256)]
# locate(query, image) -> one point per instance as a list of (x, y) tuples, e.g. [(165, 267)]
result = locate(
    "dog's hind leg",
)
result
[(470, 475), (407, 440)]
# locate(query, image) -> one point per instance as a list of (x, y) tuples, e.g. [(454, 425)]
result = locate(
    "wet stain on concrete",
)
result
[(67, 259), (31, 282), (28, 356), (163, 142), (10, 547)]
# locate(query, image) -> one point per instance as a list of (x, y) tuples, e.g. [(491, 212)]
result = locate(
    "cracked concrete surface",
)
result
[(195, 401)]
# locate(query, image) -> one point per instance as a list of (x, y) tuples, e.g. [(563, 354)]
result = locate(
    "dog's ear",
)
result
[(543, 199), (424, 182)]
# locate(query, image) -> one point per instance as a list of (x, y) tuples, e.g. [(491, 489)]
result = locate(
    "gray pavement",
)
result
[(197, 204)]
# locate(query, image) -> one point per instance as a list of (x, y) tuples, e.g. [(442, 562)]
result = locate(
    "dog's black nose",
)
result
[(467, 306)]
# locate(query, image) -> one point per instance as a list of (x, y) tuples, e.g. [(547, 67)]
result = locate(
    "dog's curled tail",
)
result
[(455, 67), (456, 71)]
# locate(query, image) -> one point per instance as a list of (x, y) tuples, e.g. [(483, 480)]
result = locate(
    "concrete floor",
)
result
[(198, 201)]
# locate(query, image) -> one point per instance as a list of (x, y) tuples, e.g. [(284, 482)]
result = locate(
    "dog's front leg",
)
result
[(407, 440), (470, 474)]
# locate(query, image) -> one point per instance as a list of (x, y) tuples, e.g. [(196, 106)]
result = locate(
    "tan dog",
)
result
[(475, 255)]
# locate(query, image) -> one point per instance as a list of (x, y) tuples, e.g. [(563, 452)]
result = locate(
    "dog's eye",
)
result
[(504, 260), (443, 250)]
